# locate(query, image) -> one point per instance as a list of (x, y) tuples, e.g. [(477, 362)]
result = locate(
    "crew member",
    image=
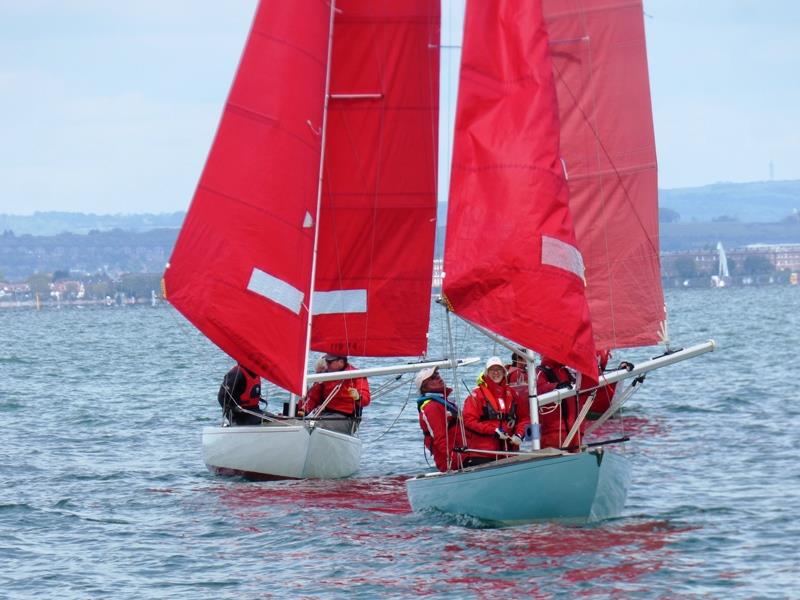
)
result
[(239, 396), (438, 419), (344, 399), (517, 370), (492, 417), (555, 420)]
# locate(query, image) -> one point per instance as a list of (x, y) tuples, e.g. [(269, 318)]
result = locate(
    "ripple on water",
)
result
[(105, 493)]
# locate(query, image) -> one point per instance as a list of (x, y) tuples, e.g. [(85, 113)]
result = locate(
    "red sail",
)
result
[(241, 268), (511, 261), (377, 223), (600, 66)]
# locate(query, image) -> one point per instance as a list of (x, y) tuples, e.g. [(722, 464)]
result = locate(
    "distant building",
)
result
[(785, 257), (755, 263), (438, 273)]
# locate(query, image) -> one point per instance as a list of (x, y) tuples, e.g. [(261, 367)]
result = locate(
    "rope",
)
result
[(317, 411), (396, 384)]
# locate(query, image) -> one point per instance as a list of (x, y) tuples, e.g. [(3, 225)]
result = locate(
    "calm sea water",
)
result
[(104, 493)]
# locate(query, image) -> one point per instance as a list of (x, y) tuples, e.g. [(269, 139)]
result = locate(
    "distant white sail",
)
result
[(723, 261)]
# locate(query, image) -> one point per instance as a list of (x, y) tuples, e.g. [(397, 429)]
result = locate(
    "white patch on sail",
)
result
[(308, 221), (564, 256), (276, 290), (340, 301)]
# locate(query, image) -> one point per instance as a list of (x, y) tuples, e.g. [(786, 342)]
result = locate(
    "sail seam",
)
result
[(267, 120), (621, 171), (283, 42)]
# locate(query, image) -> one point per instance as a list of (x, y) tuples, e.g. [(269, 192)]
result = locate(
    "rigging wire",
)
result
[(402, 408)]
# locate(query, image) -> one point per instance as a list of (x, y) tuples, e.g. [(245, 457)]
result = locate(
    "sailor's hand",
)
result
[(354, 394), (516, 440), (626, 365), (501, 435)]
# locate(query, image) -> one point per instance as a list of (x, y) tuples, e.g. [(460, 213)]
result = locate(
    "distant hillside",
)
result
[(698, 235), (734, 214), (54, 223), (756, 202), (114, 251)]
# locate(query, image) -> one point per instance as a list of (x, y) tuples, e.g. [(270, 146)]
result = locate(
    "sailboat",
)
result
[(723, 274), (312, 226), (552, 235)]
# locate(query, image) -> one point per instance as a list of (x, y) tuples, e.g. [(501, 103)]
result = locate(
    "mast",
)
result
[(533, 399), (319, 195)]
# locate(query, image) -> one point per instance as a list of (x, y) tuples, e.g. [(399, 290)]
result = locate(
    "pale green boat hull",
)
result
[(582, 487)]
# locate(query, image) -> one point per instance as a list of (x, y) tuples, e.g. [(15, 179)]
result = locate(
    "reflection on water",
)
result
[(440, 554), (383, 495), (105, 495)]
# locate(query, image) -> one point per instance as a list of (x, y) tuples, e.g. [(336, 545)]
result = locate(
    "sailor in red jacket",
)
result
[(517, 370), (492, 416), (605, 394), (239, 396), (555, 420), (347, 397), (438, 419)]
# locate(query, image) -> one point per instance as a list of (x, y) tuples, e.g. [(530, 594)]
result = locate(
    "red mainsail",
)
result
[(241, 268), (600, 66), (511, 258), (377, 220)]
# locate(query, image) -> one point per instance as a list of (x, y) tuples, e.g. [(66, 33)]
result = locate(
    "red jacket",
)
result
[(438, 419), (602, 400), (555, 424), (491, 406), (351, 396), (242, 386), (517, 376)]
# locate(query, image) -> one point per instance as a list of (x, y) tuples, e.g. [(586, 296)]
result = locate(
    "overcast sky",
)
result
[(109, 106)]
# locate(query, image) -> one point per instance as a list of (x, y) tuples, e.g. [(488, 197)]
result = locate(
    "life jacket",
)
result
[(555, 420), (438, 398), (494, 410), (558, 376), (342, 402), (252, 390), (441, 433)]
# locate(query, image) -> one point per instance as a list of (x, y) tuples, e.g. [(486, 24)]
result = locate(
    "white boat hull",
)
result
[(582, 487), (278, 451)]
